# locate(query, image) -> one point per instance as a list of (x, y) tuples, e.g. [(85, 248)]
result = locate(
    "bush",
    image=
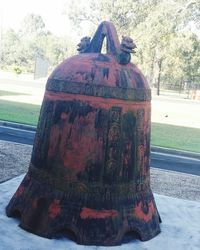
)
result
[(17, 70)]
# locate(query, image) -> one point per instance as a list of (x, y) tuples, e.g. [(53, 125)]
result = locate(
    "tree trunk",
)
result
[(151, 78), (159, 75)]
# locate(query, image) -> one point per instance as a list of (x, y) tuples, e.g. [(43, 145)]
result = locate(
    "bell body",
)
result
[(89, 170)]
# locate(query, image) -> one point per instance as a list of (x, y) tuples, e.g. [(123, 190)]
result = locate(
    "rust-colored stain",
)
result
[(88, 213), (144, 215), (54, 209)]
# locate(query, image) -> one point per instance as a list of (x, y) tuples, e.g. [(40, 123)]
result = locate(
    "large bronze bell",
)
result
[(89, 170)]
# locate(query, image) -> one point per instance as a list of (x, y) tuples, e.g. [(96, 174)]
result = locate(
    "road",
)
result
[(175, 111), (23, 86), (173, 162), (28, 91)]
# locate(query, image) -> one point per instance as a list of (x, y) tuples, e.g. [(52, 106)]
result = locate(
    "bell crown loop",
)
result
[(107, 30)]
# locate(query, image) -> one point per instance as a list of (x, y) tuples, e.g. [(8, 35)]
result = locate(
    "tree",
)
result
[(155, 25), (32, 25), (11, 41), (57, 49), (32, 40), (124, 14)]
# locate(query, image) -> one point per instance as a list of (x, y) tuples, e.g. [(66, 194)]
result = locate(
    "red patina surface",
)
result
[(88, 213), (89, 170), (54, 209), (144, 212)]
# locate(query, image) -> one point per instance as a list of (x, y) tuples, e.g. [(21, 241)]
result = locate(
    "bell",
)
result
[(89, 170)]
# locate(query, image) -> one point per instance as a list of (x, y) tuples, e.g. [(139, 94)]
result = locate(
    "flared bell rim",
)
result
[(58, 214)]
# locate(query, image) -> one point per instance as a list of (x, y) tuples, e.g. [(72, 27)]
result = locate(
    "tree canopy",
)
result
[(21, 48), (168, 49)]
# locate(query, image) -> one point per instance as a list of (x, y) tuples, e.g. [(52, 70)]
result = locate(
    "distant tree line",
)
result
[(20, 48)]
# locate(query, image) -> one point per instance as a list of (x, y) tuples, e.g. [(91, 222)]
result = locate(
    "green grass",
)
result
[(177, 137), (4, 93), (19, 112), (162, 135)]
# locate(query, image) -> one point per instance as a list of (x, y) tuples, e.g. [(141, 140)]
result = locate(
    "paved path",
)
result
[(176, 111)]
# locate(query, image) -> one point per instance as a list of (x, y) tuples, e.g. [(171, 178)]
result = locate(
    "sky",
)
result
[(12, 12)]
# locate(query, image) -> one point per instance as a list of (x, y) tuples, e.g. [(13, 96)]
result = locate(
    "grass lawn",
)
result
[(162, 135), (176, 137), (19, 112)]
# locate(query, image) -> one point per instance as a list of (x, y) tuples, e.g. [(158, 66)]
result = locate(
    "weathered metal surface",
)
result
[(89, 170)]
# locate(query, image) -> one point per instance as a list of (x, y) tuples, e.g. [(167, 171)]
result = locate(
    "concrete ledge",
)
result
[(175, 152), (17, 125)]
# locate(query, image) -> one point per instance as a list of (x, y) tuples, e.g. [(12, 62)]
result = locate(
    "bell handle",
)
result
[(105, 29)]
